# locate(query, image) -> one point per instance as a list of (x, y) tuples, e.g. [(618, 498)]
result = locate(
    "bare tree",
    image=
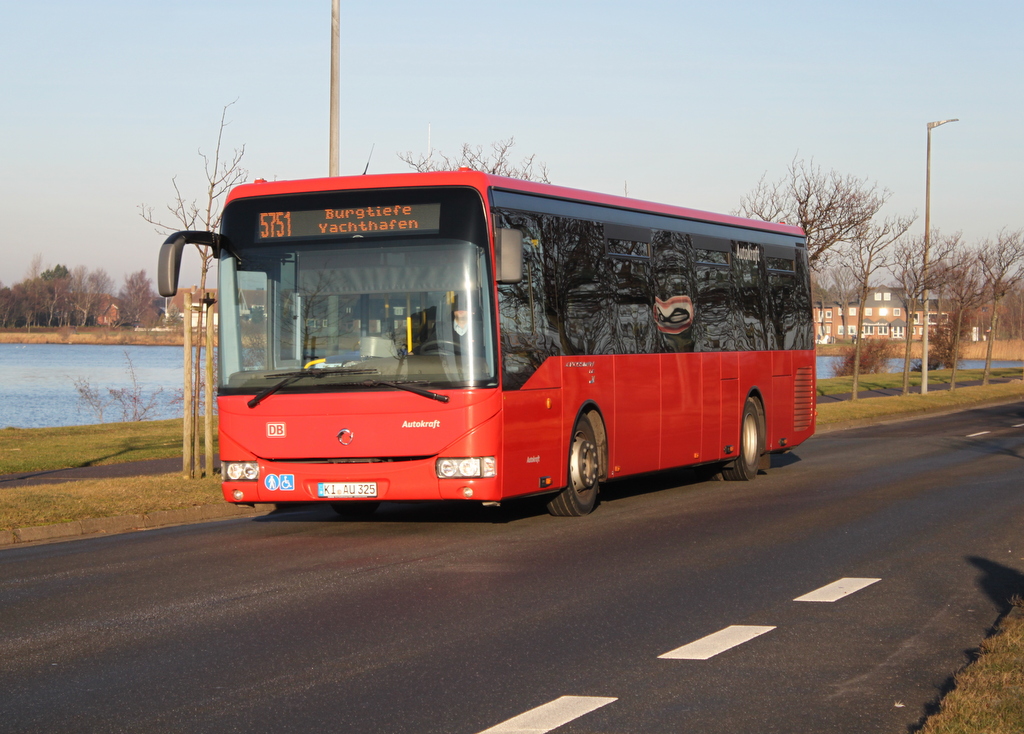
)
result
[(56, 294), (6, 305), (831, 208), (87, 291), (135, 403), (497, 161), (81, 299), (1002, 265), (1013, 306), (868, 254), (223, 172), (842, 283), (136, 298), (29, 294), (909, 271), (964, 289)]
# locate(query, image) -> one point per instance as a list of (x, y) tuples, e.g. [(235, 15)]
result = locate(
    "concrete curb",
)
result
[(97, 526)]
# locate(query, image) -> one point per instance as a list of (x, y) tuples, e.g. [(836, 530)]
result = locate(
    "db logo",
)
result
[(275, 430)]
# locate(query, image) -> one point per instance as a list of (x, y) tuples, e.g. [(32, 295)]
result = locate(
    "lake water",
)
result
[(825, 365), (37, 382)]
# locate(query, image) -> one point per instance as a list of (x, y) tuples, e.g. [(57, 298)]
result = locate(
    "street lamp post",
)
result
[(334, 152), (927, 242)]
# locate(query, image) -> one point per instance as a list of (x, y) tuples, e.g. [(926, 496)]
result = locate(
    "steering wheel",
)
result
[(439, 346)]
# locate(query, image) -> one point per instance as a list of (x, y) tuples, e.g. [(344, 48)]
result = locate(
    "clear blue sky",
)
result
[(688, 103)]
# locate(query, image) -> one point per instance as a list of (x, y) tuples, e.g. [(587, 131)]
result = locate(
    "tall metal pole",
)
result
[(927, 243), (335, 100)]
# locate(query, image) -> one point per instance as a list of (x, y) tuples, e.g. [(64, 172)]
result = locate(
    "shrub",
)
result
[(940, 344), (874, 358)]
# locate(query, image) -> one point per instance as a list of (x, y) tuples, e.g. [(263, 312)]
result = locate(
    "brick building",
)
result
[(885, 317)]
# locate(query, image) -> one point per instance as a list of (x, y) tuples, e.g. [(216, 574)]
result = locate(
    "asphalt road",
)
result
[(462, 619)]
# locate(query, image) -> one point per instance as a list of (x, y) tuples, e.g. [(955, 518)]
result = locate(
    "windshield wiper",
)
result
[(408, 388), (290, 377)]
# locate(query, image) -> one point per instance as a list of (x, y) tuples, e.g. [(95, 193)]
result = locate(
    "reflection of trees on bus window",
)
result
[(787, 292), (751, 299), (633, 326), (713, 302), (579, 285), (252, 306), (527, 337), (673, 289), (637, 293)]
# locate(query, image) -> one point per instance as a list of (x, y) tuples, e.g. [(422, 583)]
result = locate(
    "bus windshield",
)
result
[(355, 310)]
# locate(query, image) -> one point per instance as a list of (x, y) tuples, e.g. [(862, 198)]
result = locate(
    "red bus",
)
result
[(463, 336)]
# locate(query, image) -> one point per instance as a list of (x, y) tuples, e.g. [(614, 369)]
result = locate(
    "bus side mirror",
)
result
[(169, 264), (508, 255)]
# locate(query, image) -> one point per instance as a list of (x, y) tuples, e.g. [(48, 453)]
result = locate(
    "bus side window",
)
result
[(714, 298), (526, 340), (751, 300)]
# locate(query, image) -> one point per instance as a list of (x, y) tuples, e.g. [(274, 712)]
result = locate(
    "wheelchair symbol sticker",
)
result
[(283, 482)]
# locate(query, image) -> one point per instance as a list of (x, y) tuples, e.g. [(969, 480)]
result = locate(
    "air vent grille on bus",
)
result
[(803, 399), (357, 460)]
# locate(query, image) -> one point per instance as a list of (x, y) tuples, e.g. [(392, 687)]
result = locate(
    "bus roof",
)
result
[(484, 181)]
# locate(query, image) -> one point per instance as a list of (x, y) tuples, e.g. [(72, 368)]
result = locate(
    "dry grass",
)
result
[(989, 694), (91, 336), (44, 449), (51, 504), (877, 408), (1009, 349)]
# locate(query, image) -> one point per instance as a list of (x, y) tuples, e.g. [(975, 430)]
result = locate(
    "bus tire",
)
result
[(354, 509), (580, 494), (744, 467)]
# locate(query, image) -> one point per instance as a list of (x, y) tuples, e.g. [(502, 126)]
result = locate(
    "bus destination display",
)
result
[(356, 221)]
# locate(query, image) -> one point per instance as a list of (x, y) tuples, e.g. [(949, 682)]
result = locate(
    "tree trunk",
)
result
[(908, 337), (187, 455), (857, 342), (956, 350), (991, 341), (208, 391)]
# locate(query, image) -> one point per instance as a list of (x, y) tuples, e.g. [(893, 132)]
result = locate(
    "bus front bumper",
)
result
[(399, 481)]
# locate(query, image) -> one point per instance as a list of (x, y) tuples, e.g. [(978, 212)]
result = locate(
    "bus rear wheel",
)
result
[(745, 467), (580, 495)]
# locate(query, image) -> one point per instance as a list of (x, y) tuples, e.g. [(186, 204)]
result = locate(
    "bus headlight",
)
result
[(469, 466), (236, 471)]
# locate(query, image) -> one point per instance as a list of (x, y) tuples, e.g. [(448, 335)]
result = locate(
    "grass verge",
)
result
[(51, 504), (45, 449), (989, 693), (907, 405)]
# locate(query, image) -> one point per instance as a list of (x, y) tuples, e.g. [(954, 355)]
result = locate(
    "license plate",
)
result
[(347, 489)]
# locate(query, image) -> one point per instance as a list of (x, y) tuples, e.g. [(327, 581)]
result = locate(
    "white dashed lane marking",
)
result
[(718, 642), (837, 590), (979, 433), (550, 716)]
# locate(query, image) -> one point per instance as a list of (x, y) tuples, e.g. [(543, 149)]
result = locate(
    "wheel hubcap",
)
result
[(583, 466), (749, 442)]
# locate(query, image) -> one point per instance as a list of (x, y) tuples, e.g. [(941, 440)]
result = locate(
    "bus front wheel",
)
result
[(744, 468), (580, 495)]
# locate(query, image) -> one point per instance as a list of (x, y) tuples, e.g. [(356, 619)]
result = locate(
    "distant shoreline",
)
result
[(115, 337)]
